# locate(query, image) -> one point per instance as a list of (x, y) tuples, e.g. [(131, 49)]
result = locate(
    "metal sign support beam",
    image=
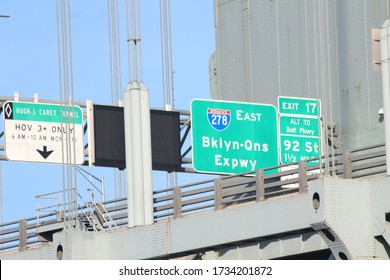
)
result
[(138, 155)]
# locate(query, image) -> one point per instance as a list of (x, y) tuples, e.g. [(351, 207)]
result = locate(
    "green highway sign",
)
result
[(26, 111), (38, 132), (230, 137), (299, 129), (299, 126), (299, 106), (295, 148)]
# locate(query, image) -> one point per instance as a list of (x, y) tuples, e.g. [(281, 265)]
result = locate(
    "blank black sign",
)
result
[(110, 138), (165, 130)]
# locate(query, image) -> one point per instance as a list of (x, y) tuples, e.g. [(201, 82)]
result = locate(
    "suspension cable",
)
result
[(133, 19), (115, 75), (324, 84), (165, 59), (66, 90), (330, 94), (115, 51), (167, 68)]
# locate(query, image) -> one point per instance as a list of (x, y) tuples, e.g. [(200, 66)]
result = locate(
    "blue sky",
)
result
[(29, 64)]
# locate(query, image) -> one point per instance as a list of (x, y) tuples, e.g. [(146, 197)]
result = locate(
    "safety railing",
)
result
[(50, 204), (219, 193)]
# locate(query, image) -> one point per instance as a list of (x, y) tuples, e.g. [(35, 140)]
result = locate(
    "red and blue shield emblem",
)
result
[(219, 119)]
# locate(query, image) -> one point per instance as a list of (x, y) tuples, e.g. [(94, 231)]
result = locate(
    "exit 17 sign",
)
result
[(299, 129), (299, 106), (232, 137)]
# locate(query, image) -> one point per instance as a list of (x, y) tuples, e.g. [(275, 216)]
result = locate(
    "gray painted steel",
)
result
[(316, 49), (353, 210), (267, 49)]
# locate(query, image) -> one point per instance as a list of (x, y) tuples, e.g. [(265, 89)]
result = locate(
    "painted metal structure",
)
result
[(310, 49), (265, 49), (291, 214), (138, 155)]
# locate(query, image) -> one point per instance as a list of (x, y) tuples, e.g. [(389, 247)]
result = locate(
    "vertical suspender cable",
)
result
[(171, 56), (164, 91), (326, 90), (134, 40), (119, 64), (66, 47), (330, 94), (278, 47), (250, 51), (58, 17), (133, 19), (307, 50), (317, 67), (1, 184), (141, 78), (71, 120), (323, 81), (128, 42), (67, 112), (167, 69), (217, 47), (110, 42), (119, 93), (115, 74), (173, 175)]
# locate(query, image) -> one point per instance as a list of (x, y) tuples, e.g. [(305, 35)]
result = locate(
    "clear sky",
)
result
[(29, 64)]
